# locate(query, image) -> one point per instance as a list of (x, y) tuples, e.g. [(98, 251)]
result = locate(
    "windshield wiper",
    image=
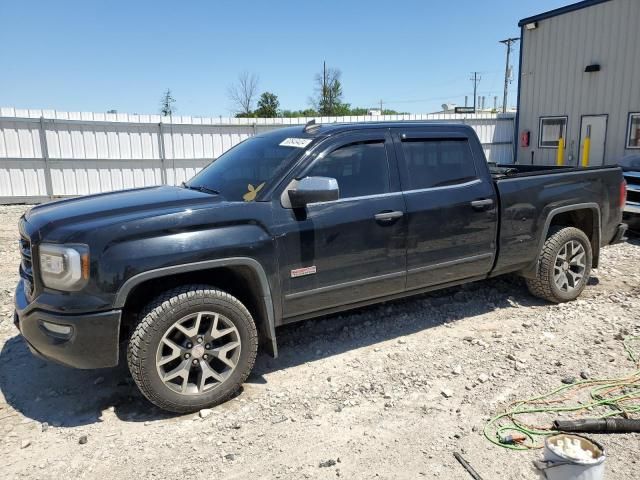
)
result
[(201, 188)]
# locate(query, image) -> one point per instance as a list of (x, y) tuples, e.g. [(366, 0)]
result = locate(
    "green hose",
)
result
[(628, 386)]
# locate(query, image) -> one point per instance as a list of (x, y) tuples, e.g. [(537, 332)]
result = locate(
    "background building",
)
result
[(580, 67)]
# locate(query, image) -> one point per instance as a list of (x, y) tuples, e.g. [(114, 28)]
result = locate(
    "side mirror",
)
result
[(313, 190)]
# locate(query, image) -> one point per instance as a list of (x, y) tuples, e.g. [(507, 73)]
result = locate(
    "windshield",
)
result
[(242, 172)]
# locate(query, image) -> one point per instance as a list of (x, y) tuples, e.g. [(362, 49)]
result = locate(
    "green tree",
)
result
[(309, 112), (341, 110), (268, 105), (359, 111), (328, 98), (388, 111), (166, 104)]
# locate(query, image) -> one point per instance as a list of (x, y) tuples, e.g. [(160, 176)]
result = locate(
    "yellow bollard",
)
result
[(586, 147), (560, 154)]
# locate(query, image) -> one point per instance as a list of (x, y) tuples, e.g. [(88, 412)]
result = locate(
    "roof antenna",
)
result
[(311, 125)]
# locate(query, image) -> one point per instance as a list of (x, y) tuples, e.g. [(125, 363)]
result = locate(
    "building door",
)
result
[(597, 126)]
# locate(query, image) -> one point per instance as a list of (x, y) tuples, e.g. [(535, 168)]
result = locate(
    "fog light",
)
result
[(56, 328)]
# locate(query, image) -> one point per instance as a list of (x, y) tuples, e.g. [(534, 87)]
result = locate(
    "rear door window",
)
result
[(437, 163)]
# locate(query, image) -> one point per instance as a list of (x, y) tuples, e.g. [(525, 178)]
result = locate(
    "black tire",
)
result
[(543, 285), (159, 316)]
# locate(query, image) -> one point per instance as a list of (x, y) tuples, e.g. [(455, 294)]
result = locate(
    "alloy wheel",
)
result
[(570, 265), (198, 353)]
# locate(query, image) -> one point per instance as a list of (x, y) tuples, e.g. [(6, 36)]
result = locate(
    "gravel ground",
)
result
[(358, 395)]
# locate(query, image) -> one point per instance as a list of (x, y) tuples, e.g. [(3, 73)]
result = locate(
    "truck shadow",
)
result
[(315, 339), (66, 397)]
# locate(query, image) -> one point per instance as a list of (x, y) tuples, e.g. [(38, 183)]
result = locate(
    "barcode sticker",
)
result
[(295, 142)]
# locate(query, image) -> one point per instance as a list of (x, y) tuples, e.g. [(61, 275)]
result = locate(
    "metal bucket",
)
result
[(561, 467)]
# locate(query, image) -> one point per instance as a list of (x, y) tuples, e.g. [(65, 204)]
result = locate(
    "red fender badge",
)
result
[(300, 272)]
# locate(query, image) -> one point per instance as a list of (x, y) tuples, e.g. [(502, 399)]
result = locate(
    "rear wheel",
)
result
[(192, 348), (564, 266)]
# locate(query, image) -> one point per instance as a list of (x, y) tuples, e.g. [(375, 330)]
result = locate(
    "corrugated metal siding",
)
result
[(21, 171), (553, 81), (45, 153)]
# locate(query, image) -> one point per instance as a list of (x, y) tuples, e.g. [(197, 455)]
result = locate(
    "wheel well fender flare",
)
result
[(595, 240), (265, 291)]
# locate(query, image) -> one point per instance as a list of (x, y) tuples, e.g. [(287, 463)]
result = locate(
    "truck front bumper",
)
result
[(84, 341)]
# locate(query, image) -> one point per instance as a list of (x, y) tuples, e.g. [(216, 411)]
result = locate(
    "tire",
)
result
[(183, 331), (551, 266)]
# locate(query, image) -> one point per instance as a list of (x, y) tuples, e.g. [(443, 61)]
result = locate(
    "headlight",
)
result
[(64, 267)]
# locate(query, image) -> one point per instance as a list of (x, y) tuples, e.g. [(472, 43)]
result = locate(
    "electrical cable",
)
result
[(609, 397)]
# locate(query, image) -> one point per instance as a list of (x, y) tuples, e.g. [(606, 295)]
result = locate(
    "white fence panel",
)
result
[(180, 170), (22, 178), (46, 154), (83, 177)]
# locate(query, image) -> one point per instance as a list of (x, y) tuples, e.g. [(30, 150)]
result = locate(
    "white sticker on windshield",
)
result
[(295, 142)]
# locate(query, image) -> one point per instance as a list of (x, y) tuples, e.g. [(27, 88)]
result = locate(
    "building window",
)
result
[(551, 129), (633, 135)]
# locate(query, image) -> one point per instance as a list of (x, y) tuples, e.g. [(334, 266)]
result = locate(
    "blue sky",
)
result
[(99, 55)]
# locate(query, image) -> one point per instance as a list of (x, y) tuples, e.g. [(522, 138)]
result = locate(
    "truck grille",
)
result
[(26, 265)]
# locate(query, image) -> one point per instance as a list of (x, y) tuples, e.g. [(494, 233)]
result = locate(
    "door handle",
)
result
[(387, 217), (482, 204)]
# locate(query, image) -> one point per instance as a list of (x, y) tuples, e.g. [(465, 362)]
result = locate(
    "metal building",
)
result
[(580, 74)]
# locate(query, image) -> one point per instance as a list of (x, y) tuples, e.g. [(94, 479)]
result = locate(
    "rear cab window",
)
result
[(432, 162)]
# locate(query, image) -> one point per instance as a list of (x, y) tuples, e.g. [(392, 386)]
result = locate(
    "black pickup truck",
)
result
[(295, 223)]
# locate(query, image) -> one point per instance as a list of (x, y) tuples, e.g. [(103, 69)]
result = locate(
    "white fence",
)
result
[(46, 154)]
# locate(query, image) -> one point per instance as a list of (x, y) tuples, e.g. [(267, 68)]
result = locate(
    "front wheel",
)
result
[(564, 266), (192, 348)]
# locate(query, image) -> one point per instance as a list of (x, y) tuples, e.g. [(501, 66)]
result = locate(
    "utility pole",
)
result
[(381, 109), (508, 42), (475, 79), (325, 92)]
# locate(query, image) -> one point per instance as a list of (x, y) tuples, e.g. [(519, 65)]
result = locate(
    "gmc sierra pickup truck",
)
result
[(295, 223)]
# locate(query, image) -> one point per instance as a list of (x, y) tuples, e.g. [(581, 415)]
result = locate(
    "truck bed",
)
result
[(530, 195)]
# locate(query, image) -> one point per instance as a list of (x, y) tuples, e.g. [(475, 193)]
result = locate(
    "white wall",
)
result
[(46, 153)]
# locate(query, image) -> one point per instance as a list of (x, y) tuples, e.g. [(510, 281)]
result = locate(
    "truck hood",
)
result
[(113, 207)]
